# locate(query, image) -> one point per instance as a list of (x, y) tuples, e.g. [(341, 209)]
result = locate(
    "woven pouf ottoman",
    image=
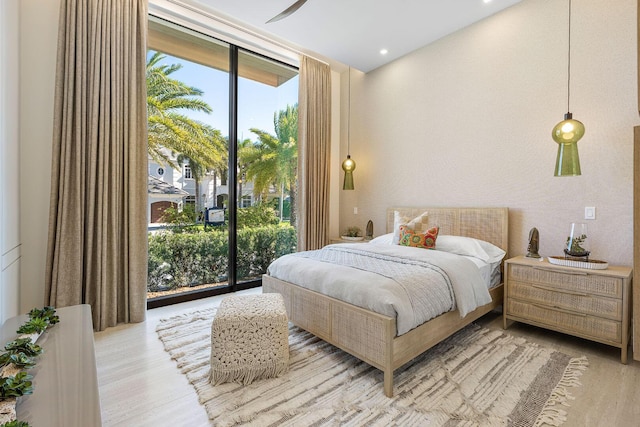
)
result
[(249, 339)]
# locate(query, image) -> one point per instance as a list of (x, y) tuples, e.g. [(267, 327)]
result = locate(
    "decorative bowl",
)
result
[(592, 264), (356, 238)]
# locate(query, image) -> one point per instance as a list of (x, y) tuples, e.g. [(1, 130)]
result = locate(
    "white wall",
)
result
[(9, 148), (38, 42), (467, 122)]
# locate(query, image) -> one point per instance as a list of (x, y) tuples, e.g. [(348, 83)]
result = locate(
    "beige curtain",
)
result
[(97, 249), (314, 148)]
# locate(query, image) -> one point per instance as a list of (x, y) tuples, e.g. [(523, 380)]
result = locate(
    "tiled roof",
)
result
[(157, 186)]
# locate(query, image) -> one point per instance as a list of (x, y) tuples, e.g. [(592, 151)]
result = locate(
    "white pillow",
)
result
[(469, 246), (419, 223), (385, 239)]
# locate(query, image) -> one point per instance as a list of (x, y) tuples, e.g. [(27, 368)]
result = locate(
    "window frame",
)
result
[(232, 180)]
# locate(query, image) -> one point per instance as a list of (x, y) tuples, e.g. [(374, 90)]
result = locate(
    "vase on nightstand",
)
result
[(577, 245)]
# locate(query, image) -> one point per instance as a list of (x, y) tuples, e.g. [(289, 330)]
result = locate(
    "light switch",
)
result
[(590, 212)]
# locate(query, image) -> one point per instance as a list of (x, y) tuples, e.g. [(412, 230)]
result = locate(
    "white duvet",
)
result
[(411, 284)]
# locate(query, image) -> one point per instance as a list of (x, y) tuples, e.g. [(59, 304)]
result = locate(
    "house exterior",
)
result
[(163, 195), (213, 190)]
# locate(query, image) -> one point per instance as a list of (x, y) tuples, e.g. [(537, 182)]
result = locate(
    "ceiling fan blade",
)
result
[(288, 11)]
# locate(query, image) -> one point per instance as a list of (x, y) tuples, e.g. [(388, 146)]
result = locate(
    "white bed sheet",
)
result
[(381, 294)]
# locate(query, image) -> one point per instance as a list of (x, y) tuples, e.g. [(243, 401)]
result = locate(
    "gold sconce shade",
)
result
[(348, 166)]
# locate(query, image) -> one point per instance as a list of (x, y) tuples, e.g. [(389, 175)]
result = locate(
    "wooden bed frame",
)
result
[(371, 337)]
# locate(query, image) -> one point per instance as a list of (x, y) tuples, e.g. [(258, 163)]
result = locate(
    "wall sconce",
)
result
[(568, 132)]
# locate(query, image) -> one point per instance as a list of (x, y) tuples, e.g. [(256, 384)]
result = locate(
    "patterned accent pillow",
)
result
[(408, 237), (419, 223)]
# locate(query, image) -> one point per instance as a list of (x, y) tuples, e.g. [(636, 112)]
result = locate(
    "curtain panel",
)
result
[(314, 149), (97, 247)]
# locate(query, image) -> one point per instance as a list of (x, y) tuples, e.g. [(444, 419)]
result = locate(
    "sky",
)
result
[(257, 102)]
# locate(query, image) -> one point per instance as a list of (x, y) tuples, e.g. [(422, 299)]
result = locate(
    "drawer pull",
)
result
[(571, 273), (578, 294), (546, 307)]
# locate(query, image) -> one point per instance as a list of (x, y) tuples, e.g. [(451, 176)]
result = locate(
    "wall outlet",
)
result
[(590, 212)]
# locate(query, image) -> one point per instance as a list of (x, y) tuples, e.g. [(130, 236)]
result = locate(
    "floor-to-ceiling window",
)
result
[(222, 164)]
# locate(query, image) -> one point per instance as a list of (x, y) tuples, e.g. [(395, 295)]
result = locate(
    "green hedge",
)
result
[(185, 259)]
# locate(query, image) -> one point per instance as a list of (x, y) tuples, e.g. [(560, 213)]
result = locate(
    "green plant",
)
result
[(353, 232), (20, 360), (23, 345), (15, 423), (47, 313), (575, 245), (183, 221), (19, 385), (257, 216), (33, 326)]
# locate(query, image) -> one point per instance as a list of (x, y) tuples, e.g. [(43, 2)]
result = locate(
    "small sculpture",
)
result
[(534, 240), (369, 230)]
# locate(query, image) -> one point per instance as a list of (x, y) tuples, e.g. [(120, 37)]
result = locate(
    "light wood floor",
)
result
[(141, 386)]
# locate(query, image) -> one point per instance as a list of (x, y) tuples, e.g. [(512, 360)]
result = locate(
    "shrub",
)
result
[(185, 259), (183, 221), (257, 216)]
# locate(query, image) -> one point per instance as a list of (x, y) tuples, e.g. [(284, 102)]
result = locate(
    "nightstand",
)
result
[(591, 304), (339, 240)]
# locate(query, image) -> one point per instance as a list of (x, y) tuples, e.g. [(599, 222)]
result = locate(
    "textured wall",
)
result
[(467, 122), (9, 155), (38, 46)]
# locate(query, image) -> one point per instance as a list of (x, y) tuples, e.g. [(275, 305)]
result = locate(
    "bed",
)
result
[(373, 337)]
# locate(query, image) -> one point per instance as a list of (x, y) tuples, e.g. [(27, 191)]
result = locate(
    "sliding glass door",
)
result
[(267, 163), (222, 164)]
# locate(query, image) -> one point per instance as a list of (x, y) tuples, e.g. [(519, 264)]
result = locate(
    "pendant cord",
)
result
[(569, 62), (349, 118)]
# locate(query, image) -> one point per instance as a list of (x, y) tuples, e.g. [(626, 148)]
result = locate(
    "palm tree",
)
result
[(169, 127), (273, 160)]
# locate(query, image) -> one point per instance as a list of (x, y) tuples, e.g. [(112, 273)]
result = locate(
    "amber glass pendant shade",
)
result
[(348, 166)]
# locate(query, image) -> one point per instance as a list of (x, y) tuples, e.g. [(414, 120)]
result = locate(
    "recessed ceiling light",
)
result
[(383, 51), (486, 1)]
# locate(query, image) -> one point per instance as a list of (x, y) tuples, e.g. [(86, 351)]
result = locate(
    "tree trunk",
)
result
[(292, 204), (281, 201)]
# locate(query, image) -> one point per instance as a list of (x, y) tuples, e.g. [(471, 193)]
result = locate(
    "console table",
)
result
[(65, 381)]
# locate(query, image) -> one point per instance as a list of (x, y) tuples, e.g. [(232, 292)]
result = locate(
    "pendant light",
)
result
[(348, 166), (568, 132)]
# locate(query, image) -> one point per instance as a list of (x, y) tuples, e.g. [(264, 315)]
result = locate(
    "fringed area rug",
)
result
[(477, 377)]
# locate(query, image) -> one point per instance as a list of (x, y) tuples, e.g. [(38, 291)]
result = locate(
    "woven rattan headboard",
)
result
[(489, 224)]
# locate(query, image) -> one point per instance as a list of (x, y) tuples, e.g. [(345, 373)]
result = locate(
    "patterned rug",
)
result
[(477, 377)]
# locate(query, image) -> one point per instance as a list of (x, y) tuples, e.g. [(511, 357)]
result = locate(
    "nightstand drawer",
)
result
[(585, 325), (569, 281), (610, 308)]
